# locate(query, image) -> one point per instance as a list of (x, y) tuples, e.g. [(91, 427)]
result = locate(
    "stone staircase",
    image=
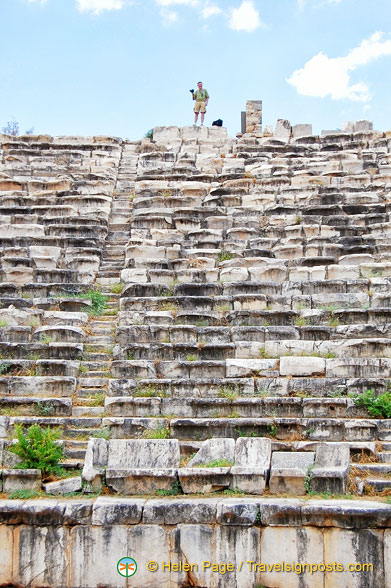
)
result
[(247, 290)]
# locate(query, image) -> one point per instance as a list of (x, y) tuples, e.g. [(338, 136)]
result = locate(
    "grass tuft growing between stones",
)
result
[(216, 463), (23, 494), (149, 391), (117, 288), (174, 490), (160, 433)]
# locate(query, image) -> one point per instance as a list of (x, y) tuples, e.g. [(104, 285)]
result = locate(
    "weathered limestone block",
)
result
[(331, 468), (269, 273), (252, 464), (137, 275), (59, 334), (95, 461), (307, 274), (166, 134), (283, 129), (289, 471), (195, 544), (180, 510), (6, 554), (133, 466), (203, 480), (214, 449), (234, 274), (355, 259), (238, 511), (302, 366), (70, 319), (92, 549), (202, 474), (247, 350), (292, 545), (120, 406), (41, 385), (63, 486), (254, 116), (364, 546), (242, 368), (364, 367), (25, 230), (370, 270), (343, 272), (40, 556), (301, 130), (4, 423), (108, 510), (21, 479), (237, 544), (19, 275)]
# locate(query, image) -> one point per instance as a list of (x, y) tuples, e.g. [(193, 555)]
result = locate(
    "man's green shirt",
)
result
[(201, 95)]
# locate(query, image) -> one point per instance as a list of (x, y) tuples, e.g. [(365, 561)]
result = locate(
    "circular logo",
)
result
[(127, 567)]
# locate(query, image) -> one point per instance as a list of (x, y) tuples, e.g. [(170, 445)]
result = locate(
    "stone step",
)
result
[(96, 365), (92, 382), (85, 394), (79, 411), (378, 484), (219, 407), (101, 340), (384, 456), (96, 356), (72, 463), (374, 469)]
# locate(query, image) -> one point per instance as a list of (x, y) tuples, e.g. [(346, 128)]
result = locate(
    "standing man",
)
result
[(201, 97)]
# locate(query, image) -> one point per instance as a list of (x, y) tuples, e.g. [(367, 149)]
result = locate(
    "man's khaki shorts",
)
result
[(200, 106)]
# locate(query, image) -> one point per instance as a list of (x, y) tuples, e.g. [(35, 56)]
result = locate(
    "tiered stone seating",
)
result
[(248, 284), (56, 196), (255, 297)]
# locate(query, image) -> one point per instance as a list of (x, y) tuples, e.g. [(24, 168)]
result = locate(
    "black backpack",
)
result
[(217, 123)]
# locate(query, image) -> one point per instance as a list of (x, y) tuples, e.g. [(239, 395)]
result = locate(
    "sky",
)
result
[(122, 67)]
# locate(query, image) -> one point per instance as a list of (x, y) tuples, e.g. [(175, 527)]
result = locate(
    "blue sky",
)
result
[(121, 67)]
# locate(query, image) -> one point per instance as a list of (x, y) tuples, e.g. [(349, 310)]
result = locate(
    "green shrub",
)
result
[(377, 406), (98, 301), (38, 448)]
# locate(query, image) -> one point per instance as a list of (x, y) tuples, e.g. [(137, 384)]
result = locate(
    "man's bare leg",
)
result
[(196, 118), (202, 117)]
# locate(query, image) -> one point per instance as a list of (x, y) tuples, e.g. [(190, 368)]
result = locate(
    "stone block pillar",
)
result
[(254, 116)]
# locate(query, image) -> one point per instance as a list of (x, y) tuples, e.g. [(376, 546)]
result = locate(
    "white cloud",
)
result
[(323, 76), (245, 18), (210, 10), (98, 6), (169, 16)]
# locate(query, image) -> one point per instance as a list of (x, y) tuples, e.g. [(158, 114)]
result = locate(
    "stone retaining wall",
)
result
[(77, 543)]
